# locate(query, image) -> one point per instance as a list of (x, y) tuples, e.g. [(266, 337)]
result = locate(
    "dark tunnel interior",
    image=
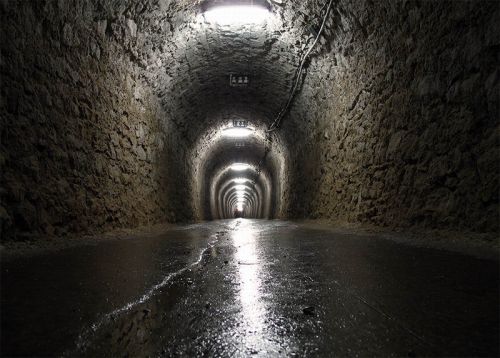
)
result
[(119, 117)]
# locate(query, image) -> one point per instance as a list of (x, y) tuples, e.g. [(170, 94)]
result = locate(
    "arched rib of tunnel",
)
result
[(233, 157), (252, 206)]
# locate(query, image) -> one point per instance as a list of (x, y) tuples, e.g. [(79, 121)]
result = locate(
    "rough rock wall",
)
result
[(397, 124), (84, 147)]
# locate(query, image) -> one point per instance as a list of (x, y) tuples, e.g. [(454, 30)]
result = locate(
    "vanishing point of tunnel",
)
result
[(235, 178)]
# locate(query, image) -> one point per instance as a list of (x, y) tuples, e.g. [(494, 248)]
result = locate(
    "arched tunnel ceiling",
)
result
[(114, 100), (188, 61), (233, 150)]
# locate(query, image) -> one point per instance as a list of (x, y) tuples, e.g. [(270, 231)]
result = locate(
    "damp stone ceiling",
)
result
[(187, 60)]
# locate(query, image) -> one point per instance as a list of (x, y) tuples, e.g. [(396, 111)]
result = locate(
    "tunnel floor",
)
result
[(249, 287)]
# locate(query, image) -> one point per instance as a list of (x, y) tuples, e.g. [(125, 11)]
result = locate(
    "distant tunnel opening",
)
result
[(240, 173)]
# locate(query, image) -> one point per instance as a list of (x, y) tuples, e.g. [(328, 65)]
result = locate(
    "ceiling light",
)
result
[(236, 14), (240, 180), (237, 132), (238, 167)]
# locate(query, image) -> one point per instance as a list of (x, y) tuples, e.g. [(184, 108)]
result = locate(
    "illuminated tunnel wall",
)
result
[(240, 164), (112, 114)]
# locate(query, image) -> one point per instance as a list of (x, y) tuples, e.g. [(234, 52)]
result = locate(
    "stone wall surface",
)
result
[(84, 145), (105, 104), (397, 123)]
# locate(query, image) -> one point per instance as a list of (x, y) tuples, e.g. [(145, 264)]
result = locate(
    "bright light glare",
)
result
[(254, 303), (238, 167), (240, 187), (237, 132), (239, 207), (233, 15), (240, 180)]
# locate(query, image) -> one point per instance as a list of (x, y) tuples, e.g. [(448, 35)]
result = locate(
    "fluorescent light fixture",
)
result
[(236, 14), (238, 167), (237, 132)]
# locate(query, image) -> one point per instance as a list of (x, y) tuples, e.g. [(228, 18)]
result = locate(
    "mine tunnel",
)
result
[(249, 178)]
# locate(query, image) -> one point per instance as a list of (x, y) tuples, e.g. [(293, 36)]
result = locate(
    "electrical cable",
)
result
[(297, 77), (299, 71)]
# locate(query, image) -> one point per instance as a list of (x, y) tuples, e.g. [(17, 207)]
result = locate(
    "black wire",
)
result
[(296, 79), (299, 70)]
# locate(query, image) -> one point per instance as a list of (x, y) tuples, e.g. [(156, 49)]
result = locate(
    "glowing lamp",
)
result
[(237, 132), (238, 167), (236, 14)]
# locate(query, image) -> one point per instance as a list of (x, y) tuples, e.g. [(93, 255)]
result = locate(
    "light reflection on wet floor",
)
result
[(253, 309), (247, 295)]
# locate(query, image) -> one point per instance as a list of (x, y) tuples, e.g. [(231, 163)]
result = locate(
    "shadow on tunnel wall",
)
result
[(85, 147)]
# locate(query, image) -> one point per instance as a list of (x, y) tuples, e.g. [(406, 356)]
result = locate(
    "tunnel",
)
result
[(249, 178)]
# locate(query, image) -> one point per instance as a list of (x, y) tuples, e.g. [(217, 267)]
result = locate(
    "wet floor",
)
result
[(250, 288)]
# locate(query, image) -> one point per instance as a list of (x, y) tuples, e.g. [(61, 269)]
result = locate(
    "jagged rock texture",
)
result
[(398, 123), (104, 104)]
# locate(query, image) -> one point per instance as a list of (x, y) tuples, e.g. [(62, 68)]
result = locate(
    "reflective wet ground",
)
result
[(250, 288)]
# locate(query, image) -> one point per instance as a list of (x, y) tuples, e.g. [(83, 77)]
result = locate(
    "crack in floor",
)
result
[(86, 336)]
